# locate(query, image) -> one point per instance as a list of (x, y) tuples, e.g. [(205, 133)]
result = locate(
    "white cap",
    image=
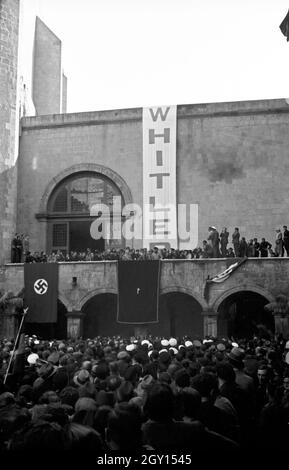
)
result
[(36, 341), (164, 342), (287, 358), (173, 342), (174, 349), (32, 358), (287, 345), (188, 343), (163, 350), (130, 347), (145, 341), (181, 346), (235, 345), (149, 353)]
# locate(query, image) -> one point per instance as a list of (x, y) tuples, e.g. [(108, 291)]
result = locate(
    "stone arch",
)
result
[(185, 290), (247, 287), (93, 293), (85, 167), (181, 312)]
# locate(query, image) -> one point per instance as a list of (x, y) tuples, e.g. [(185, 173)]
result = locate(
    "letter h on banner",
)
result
[(159, 176)]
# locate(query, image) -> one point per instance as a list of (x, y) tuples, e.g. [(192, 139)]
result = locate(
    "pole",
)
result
[(13, 352)]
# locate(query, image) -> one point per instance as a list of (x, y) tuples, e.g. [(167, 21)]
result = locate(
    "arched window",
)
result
[(78, 194), (69, 209)]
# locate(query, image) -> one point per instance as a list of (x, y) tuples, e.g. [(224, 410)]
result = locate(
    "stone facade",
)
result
[(47, 74), (266, 277), (232, 160), (9, 23), (64, 94)]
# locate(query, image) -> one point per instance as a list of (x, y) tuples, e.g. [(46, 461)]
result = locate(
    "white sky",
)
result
[(137, 53)]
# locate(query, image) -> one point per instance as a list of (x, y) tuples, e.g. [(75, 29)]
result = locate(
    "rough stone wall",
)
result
[(46, 80), (265, 276), (64, 94), (45, 152), (9, 23), (235, 165), (232, 160)]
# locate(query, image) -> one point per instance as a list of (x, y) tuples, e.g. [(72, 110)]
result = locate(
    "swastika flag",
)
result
[(41, 292)]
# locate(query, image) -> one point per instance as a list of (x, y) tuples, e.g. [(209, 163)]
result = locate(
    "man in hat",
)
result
[(224, 237), (45, 379), (243, 247), (207, 249), (236, 358), (245, 382), (214, 240), (286, 239), (81, 377), (156, 254), (236, 241), (54, 358), (264, 248), (279, 251)]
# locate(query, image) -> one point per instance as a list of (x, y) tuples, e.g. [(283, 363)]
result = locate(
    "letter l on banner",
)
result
[(159, 176)]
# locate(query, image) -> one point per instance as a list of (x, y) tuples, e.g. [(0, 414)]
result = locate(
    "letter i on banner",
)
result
[(159, 177)]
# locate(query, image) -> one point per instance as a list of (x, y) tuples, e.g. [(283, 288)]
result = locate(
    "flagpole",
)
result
[(14, 348)]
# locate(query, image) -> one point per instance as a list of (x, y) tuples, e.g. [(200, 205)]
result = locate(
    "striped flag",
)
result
[(284, 26), (223, 276), (227, 273)]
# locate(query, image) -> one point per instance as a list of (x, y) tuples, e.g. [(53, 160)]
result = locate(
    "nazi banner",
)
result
[(41, 292)]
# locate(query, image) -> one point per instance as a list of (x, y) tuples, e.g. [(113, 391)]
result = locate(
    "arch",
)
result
[(180, 313), (247, 287), (85, 167), (93, 293), (185, 290)]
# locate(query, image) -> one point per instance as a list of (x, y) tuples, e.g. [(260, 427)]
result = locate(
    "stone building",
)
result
[(231, 162)]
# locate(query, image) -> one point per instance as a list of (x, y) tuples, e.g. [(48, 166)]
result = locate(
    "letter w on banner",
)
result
[(159, 177), (41, 292)]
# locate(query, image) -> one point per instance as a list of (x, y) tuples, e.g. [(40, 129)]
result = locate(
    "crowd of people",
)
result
[(154, 395), (216, 246)]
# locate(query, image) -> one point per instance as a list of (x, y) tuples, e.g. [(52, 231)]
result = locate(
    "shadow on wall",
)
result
[(8, 198), (222, 166)]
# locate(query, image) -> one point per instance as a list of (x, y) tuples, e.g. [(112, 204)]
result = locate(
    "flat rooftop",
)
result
[(202, 110)]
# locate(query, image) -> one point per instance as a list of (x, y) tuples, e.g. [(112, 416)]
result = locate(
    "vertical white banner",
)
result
[(159, 177)]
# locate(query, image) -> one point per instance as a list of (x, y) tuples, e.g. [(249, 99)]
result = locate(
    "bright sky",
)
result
[(137, 53)]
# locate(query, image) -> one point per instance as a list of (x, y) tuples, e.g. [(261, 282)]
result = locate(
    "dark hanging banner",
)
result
[(41, 292), (138, 291)]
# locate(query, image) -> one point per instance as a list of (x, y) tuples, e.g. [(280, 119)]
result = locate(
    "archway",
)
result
[(49, 331), (242, 315), (179, 315), (70, 212), (99, 319)]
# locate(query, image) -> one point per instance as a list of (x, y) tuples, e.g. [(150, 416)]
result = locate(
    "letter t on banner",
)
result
[(159, 176)]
